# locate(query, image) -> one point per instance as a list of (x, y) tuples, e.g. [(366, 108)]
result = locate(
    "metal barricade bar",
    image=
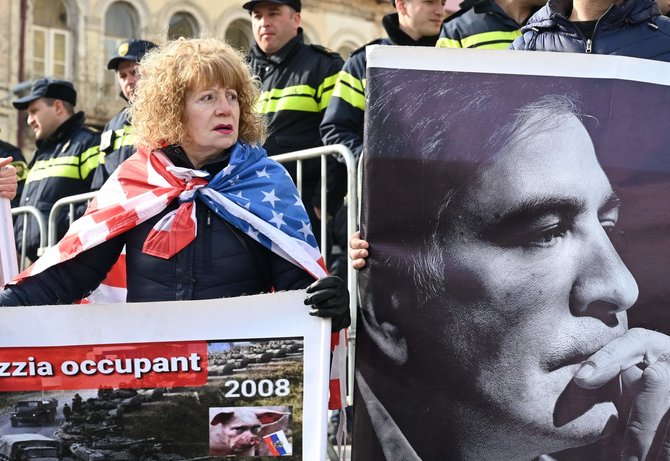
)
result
[(42, 228), (352, 224), (70, 201)]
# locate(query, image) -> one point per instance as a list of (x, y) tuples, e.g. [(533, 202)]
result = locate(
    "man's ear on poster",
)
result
[(381, 317)]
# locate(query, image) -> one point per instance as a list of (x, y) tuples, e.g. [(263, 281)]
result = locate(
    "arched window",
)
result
[(121, 23), (183, 24), (239, 34), (51, 40)]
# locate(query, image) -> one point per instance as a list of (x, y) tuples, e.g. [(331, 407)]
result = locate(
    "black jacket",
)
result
[(343, 120), (63, 165), (635, 28), (296, 87), (220, 262), (117, 143), (484, 25)]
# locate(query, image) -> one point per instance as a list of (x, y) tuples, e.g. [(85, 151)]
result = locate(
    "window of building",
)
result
[(51, 40), (121, 23), (183, 24), (239, 34)]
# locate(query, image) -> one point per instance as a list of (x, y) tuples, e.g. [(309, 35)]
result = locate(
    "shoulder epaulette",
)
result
[(458, 13), (92, 129), (376, 41), (325, 50)]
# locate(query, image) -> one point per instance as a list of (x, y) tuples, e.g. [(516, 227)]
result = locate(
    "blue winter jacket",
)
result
[(635, 28)]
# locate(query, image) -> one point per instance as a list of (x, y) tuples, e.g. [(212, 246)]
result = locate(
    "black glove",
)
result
[(329, 297)]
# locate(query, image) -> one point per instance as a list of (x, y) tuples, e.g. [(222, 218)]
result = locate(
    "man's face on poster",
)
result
[(532, 287)]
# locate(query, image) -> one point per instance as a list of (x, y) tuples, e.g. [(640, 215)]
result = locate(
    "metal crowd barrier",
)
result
[(352, 210), (72, 202), (352, 225), (31, 211)]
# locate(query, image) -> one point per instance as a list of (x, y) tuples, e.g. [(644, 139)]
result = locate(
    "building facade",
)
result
[(74, 39)]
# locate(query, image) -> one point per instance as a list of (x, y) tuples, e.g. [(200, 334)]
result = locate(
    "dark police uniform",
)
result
[(343, 121), (62, 165), (117, 141), (297, 83), (344, 118), (484, 25)]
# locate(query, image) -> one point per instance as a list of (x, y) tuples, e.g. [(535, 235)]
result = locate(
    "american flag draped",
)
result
[(253, 192)]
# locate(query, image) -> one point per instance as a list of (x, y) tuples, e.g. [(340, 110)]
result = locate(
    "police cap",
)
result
[(130, 50), (48, 88), (295, 4)]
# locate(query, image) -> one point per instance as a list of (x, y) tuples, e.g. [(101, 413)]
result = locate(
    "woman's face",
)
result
[(212, 118), (533, 286)]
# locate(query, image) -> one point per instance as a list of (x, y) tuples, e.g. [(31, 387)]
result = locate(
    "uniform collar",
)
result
[(284, 53), (490, 6), (398, 37)]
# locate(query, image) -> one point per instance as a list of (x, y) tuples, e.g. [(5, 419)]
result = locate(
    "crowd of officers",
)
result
[(310, 95)]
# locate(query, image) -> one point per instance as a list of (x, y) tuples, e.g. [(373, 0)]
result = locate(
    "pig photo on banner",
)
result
[(515, 301)]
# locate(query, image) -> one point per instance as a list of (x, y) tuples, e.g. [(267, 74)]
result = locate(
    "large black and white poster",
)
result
[(516, 301)]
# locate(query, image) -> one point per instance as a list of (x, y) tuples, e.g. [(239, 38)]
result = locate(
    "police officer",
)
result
[(416, 23), (297, 83), (117, 142), (65, 158), (487, 24)]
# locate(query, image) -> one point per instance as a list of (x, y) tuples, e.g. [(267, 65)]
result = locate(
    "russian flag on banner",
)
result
[(278, 444)]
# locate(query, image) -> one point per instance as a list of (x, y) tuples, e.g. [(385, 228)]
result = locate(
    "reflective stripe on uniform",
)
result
[(89, 161), (75, 167), (124, 137), (445, 42), (350, 89), (490, 40), (325, 91), (299, 97)]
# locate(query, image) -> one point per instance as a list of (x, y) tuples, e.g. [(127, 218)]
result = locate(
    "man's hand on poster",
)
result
[(642, 358), (329, 297), (358, 250), (8, 179)]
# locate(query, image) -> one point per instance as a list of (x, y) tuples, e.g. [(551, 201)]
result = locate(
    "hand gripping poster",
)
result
[(227, 378), (515, 302)]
